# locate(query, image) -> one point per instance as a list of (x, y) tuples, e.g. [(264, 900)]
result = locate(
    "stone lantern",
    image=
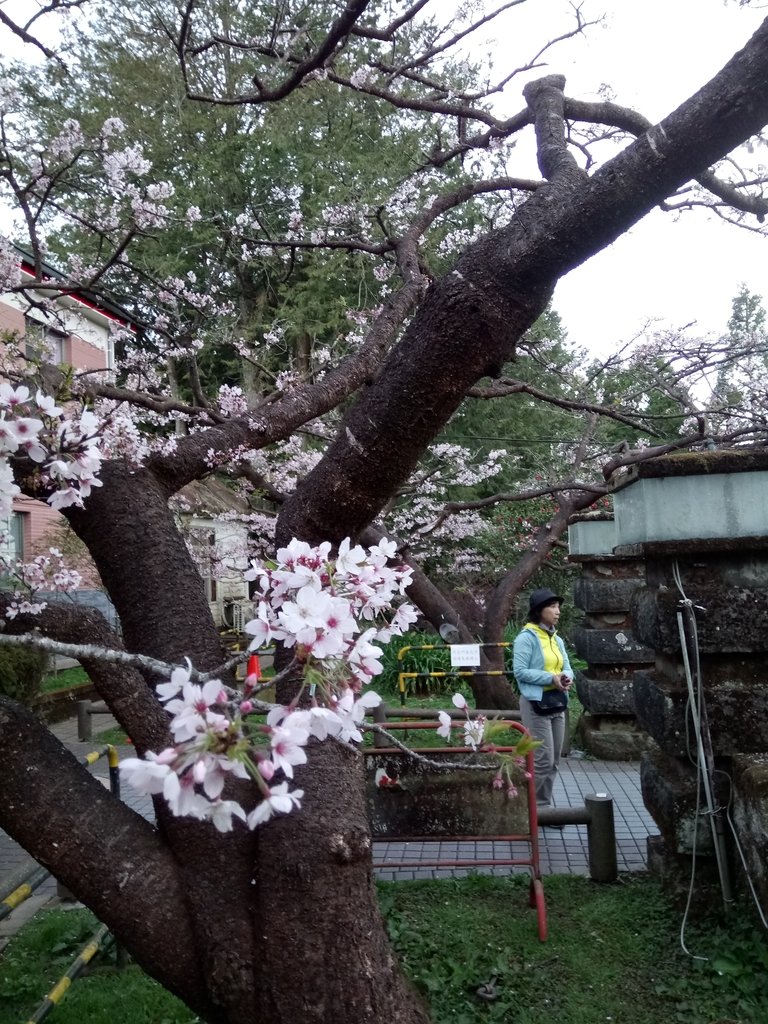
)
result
[(699, 521)]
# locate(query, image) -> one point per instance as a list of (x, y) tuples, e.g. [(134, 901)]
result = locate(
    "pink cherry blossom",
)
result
[(179, 676), (182, 797), (262, 629), (146, 775), (221, 813), (47, 405), (474, 731), (192, 712), (9, 440)]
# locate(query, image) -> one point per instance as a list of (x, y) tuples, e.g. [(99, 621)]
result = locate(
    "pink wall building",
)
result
[(78, 333)]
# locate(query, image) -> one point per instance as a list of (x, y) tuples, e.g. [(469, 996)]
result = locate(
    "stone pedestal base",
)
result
[(671, 794), (674, 872), (612, 737), (750, 816)]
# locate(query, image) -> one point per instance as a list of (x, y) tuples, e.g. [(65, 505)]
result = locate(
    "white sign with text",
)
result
[(465, 655)]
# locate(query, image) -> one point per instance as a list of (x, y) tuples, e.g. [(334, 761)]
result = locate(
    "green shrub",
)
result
[(22, 670), (437, 658)]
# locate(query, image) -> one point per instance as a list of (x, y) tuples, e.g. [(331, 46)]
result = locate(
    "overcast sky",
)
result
[(653, 54)]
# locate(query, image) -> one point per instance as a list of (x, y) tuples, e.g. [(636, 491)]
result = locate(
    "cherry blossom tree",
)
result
[(280, 922)]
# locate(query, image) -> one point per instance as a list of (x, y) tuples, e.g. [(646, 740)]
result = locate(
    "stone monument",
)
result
[(699, 521), (608, 728)]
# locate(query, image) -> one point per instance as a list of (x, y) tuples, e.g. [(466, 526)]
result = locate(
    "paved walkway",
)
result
[(561, 851)]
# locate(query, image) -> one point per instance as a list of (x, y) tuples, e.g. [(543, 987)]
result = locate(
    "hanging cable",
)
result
[(696, 761), (697, 812), (704, 760), (697, 704), (742, 858)]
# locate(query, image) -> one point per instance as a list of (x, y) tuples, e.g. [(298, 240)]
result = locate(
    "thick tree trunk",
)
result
[(318, 908), (257, 904), (471, 319)]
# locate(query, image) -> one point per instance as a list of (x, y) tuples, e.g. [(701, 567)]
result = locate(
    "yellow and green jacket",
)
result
[(538, 655)]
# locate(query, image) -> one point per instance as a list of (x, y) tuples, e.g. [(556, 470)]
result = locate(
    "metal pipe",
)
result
[(380, 718), (22, 892), (113, 760), (60, 989), (417, 713), (598, 815)]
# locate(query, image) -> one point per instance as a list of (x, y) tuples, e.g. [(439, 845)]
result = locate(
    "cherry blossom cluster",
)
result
[(318, 606), (10, 268), (45, 572), (66, 449), (449, 546), (360, 76), (331, 612), (232, 401)]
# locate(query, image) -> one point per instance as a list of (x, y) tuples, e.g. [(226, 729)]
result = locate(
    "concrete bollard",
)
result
[(601, 838), (597, 815), (84, 722)]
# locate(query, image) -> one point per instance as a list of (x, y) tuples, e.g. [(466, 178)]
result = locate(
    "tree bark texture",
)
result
[(283, 925)]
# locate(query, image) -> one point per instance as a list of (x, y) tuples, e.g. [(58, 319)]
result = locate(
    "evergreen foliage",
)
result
[(22, 670)]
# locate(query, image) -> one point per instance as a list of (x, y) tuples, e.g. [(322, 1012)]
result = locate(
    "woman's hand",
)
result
[(562, 681)]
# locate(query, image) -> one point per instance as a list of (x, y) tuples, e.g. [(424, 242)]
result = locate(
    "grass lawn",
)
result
[(115, 736), (613, 956), (65, 678), (41, 953)]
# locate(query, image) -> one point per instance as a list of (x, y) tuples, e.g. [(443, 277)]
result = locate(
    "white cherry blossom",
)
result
[(279, 801)]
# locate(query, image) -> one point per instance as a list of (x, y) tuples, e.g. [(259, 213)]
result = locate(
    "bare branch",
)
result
[(635, 124), (334, 39), (505, 387), (26, 37), (385, 34)]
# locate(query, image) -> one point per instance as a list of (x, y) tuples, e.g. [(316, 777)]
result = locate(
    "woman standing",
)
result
[(544, 676)]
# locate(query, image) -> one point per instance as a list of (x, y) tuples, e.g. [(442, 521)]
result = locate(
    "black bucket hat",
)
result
[(540, 598)]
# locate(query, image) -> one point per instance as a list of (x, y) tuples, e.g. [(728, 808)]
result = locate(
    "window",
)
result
[(12, 538), (43, 342), (202, 544)]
